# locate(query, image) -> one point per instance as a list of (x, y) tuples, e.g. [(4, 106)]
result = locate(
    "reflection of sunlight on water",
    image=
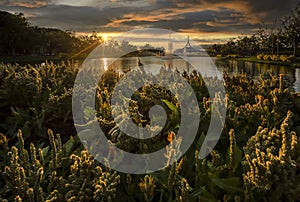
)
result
[(153, 65), (297, 80), (204, 65), (105, 63)]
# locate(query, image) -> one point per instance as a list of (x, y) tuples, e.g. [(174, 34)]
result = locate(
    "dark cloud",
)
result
[(81, 19), (271, 6), (271, 9)]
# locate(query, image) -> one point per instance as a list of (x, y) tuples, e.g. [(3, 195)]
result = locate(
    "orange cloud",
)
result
[(208, 35), (218, 23), (29, 4), (154, 17)]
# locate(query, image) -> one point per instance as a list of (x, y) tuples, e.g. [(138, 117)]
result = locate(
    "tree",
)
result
[(126, 47), (268, 39), (17, 37), (12, 32), (292, 29)]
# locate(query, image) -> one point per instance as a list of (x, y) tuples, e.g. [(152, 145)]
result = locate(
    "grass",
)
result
[(23, 60)]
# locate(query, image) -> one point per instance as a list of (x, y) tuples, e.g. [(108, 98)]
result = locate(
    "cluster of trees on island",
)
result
[(282, 37)]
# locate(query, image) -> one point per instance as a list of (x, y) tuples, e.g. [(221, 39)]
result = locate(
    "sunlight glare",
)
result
[(104, 36)]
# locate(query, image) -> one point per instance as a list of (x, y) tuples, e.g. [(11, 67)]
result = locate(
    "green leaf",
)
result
[(170, 196), (196, 193), (200, 141), (171, 106), (69, 145), (88, 135), (172, 111), (238, 155), (162, 178), (89, 113), (45, 151), (203, 194), (228, 184)]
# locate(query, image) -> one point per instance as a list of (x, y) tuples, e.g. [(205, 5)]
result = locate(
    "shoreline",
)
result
[(255, 60), (39, 59)]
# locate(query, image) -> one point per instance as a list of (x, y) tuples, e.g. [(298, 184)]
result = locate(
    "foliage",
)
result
[(35, 98), (271, 163), (280, 37), (282, 58), (56, 175), (256, 158), (18, 37)]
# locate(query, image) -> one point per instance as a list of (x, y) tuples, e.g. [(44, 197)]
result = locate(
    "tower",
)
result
[(188, 43), (187, 46)]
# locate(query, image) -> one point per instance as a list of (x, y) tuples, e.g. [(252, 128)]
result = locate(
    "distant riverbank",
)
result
[(295, 64)]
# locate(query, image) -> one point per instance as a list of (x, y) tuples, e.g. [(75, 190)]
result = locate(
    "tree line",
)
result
[(18, 37), (282, 37)]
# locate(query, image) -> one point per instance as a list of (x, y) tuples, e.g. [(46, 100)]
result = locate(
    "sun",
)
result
[(104, 36)]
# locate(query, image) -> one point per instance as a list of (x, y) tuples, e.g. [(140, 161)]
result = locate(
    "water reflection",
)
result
[(297, 80), (254, 70), (232, 67), (105, 63)]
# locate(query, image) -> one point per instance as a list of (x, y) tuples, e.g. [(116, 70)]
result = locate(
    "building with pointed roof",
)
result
[(189, 50)]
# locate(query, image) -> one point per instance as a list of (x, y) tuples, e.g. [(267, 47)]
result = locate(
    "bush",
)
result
[(274, 57), (282, 58), (233, 56), (260, 56), (56, 174), (266, 57), (256, 158), (35, 98)]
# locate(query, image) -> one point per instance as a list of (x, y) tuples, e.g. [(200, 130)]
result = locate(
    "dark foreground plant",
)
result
[(256, 159)]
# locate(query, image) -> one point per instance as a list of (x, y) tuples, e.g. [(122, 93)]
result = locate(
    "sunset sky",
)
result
[(206, 21)]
